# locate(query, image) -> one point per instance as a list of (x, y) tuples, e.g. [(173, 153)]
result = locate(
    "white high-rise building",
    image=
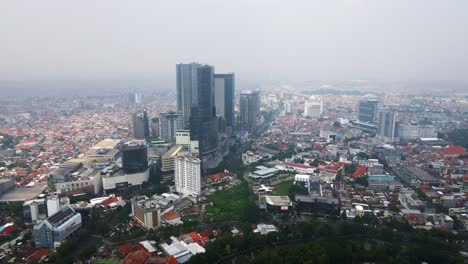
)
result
[(313, 108), (187, 175)]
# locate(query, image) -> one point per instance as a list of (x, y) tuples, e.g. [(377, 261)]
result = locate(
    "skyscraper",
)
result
[(140, 125), (195, 98), (134, 157), (169, 123), (155, 127), (367, 110), (249, 110), (224, 97), (387, 125), (187, 175)]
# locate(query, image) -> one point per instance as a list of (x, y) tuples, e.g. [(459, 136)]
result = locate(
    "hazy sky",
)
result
[(392, 40)]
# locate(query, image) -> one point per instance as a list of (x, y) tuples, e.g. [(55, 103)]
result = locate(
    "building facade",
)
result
[(134, 157), (249, 106), (187, 175), (224, 97), (57, 228), (367, 110), (141, 125), (387, 126), (147, 212), (169, 124)]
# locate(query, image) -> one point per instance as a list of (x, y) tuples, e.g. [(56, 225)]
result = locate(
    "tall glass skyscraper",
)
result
[(249, 110), (195, 99), (140, 125), (388, 125), (367, 110), (224, 97)]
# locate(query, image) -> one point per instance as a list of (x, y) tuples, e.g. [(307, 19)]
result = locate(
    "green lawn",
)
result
[(283, 188), (231, 204)]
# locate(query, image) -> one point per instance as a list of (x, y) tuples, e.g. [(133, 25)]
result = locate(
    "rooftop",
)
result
[(278, 200)]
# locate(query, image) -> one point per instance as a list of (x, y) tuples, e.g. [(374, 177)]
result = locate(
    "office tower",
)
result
[(313, 108), (134, 157), (367, 110), (135, 98), (224, 97), (387, 125), (195, 98), (169, 124), (155, 127), (140, 125), (187, 175), (249, 110)]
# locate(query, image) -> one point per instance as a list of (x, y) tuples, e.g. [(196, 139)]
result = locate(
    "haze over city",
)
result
[(233, 132), (125, 45)]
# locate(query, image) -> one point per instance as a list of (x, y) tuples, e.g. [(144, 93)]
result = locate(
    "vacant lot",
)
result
[(232, 204), (283, 188)]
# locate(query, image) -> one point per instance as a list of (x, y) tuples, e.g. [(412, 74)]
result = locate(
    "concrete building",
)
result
[(249, 106), (412, 132), (169, 124), (64, 172), (147, 212), (115, 178), (55, 203), (168, 159), (34, 210), (187, 174), (57, 228), (277, 204)]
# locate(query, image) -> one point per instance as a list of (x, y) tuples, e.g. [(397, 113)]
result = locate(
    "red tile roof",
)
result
[(451, 150), (125, 249), (109, 200), (172, 260), (137, 257), (220, 175), (360, 171), (296, 165), (171, 215), (36, 256)]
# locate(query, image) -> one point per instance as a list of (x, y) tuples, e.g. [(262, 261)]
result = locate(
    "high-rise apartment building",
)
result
[(141, 125), (169, 124), (249, 110), (224, 97), (134, 157), (187, 175), (387, 125), (367, 110), (195, 99), (313, 108)]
